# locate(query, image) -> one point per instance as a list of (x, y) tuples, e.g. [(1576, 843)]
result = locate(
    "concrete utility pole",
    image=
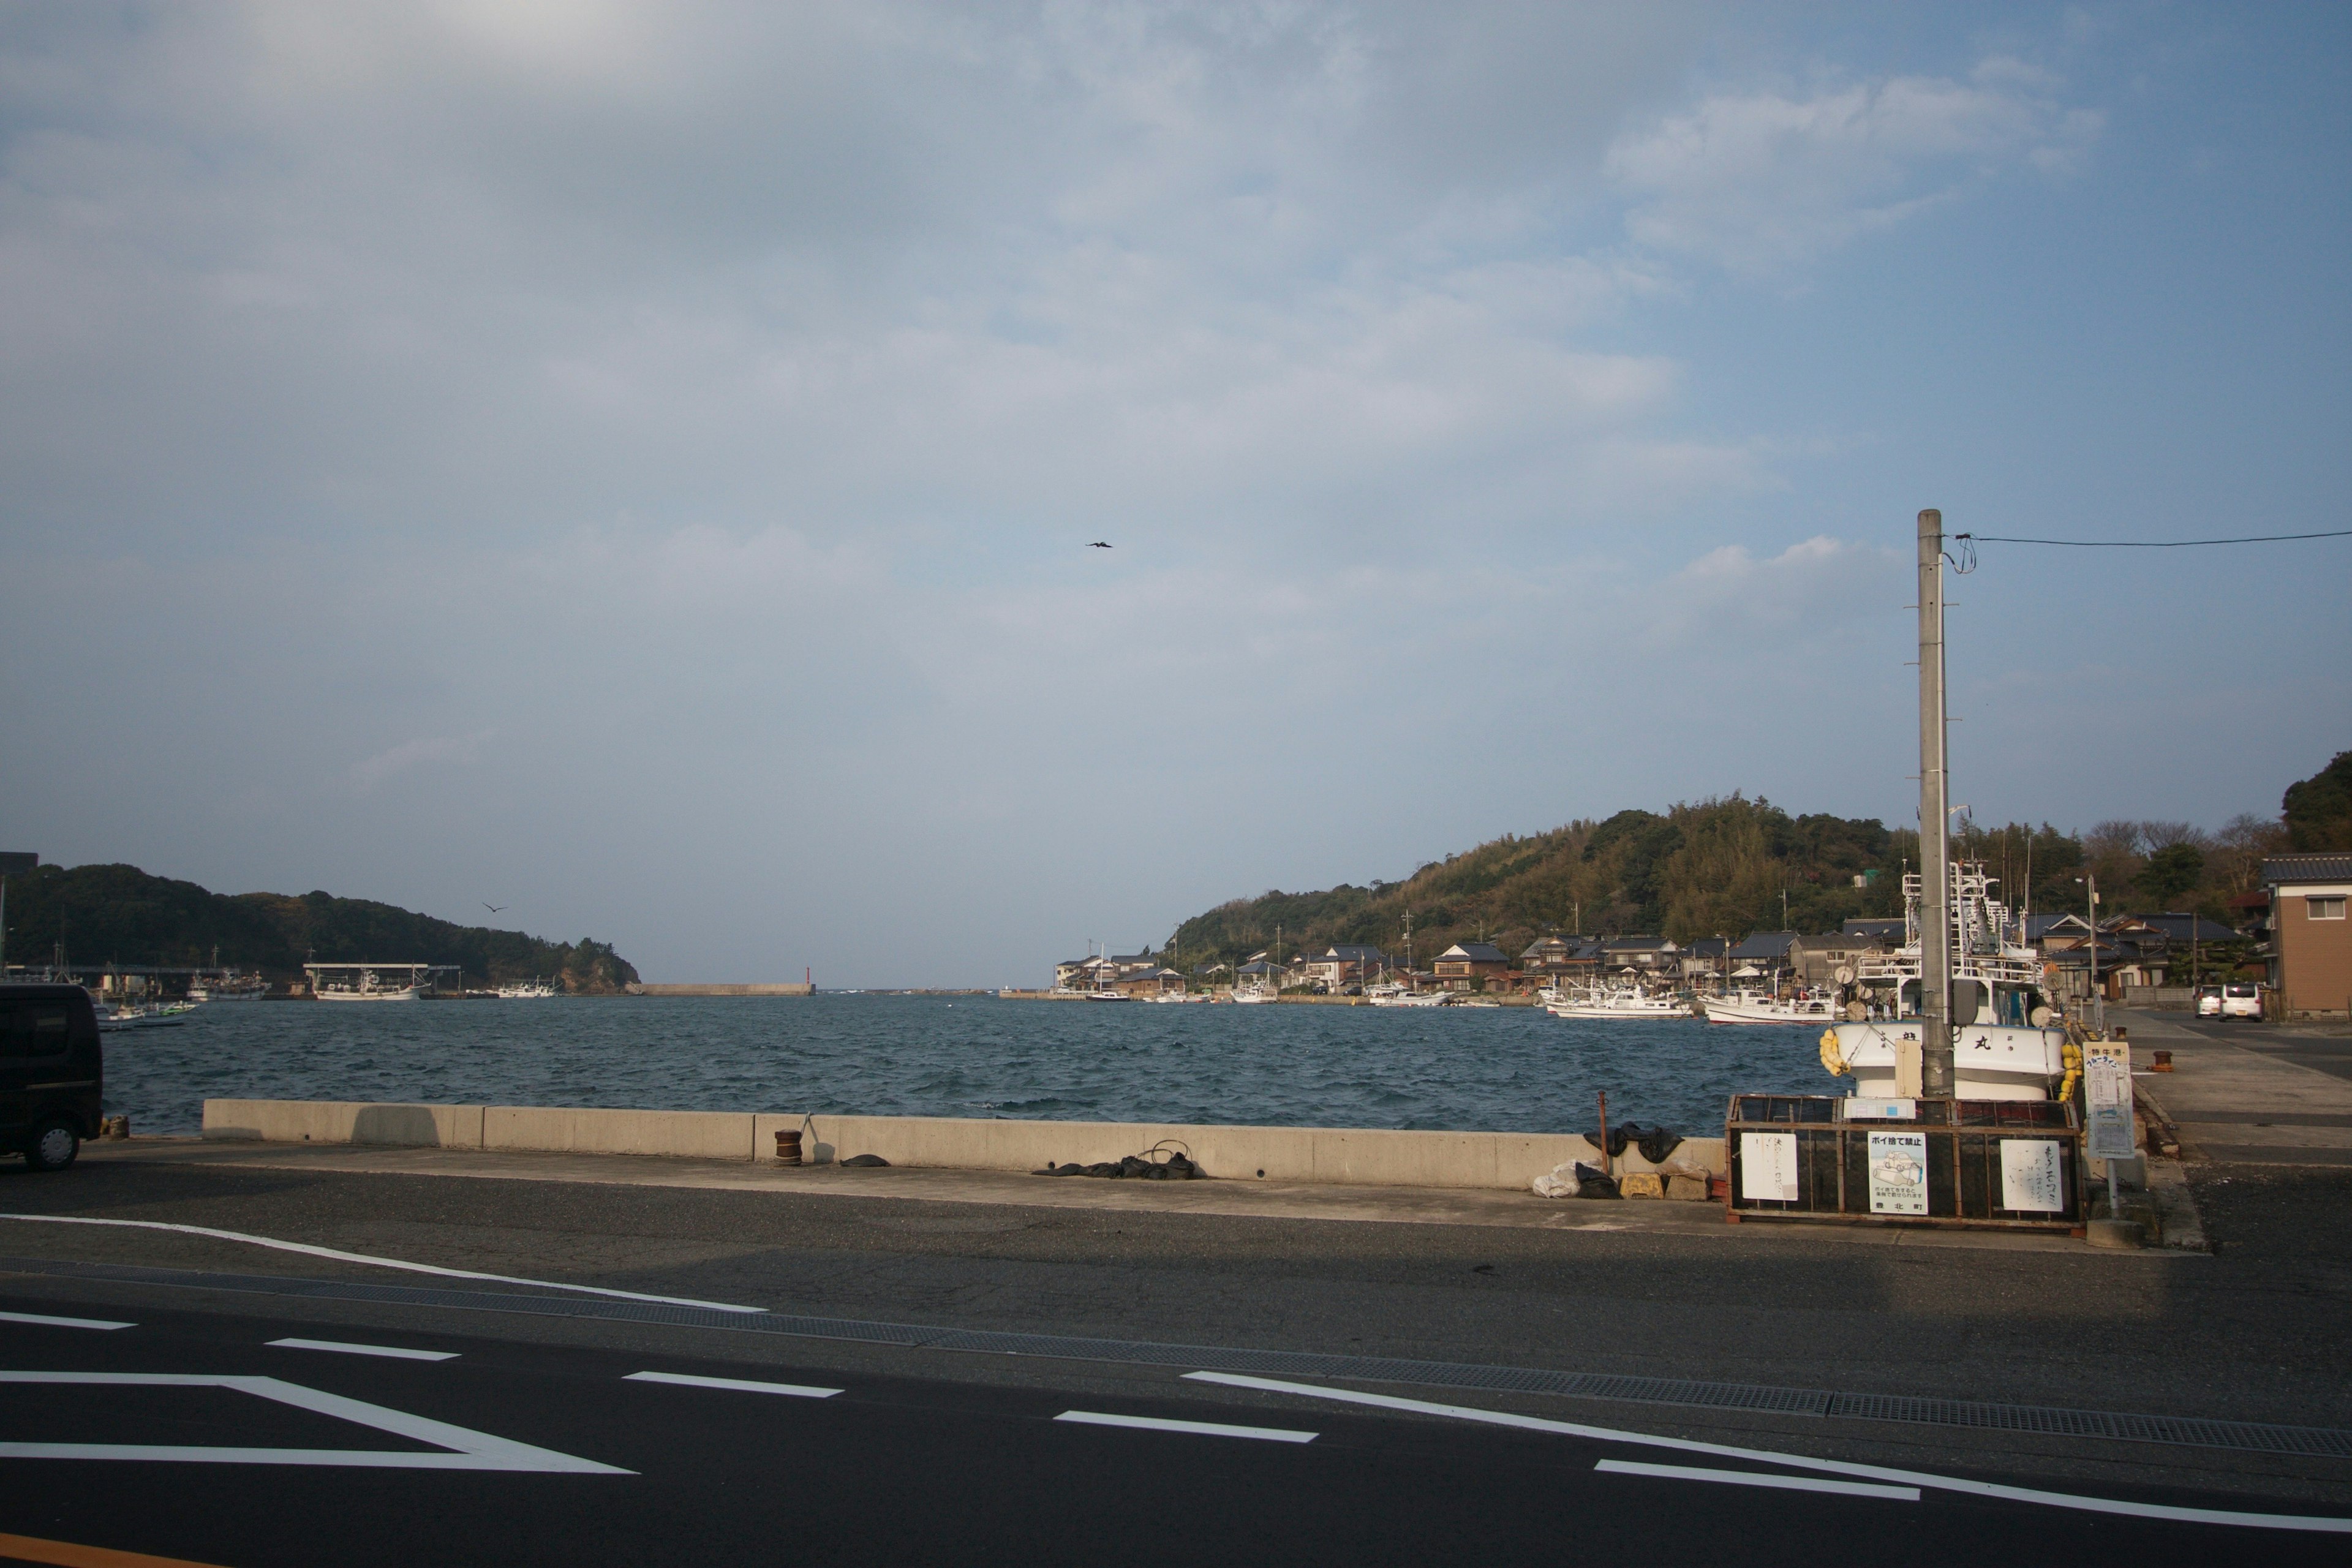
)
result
[(1935, 853)]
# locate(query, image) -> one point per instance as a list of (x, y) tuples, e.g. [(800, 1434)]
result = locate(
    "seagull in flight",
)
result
[(1098, 544), (498, 908)]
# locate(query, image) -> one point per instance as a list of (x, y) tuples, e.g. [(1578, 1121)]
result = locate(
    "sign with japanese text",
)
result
[(2107, 1101), (2032, 1176), (1898, 1173), (1768, 1167)]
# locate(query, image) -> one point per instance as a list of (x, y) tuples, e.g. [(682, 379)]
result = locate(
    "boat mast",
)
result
[(1935, 851)]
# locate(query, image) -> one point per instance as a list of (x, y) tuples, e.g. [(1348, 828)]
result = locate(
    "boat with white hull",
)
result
[(1762, 1008), (1625, 1003), (2005, 1041), (372, 982)]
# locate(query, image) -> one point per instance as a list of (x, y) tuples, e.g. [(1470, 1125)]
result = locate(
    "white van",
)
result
[(2242, 999)]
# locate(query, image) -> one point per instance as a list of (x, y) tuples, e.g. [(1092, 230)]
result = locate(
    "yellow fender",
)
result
[(1832, 1057)]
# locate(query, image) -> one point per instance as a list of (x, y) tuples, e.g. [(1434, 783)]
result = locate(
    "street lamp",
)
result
[(2090, 881)]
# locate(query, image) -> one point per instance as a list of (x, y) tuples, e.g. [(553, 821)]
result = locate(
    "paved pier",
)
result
[(2248, 1093)]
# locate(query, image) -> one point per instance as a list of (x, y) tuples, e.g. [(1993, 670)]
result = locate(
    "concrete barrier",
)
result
[(1350, 1156), (698, 1135), (344, 1121)]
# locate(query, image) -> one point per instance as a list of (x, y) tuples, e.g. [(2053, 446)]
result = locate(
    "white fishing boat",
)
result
[(2006, 1044), (1395, 994), (530, 990), (1815, 1008), (372, 982), (1617, 1001)]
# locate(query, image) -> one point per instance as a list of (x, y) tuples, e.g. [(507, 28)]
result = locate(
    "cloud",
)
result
[(430, 752), (1757, 182)]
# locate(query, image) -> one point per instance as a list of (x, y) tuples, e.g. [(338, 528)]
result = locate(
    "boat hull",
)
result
[(1995, 1061), (405, 994)]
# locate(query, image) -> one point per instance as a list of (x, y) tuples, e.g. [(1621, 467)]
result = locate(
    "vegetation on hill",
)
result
[(120, 914), (1721, 868)]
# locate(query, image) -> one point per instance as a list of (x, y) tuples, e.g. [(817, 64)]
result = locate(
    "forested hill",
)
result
[(121, 914), (1720, 867)]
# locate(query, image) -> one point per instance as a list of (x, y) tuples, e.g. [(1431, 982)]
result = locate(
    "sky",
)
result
[(637, 464)]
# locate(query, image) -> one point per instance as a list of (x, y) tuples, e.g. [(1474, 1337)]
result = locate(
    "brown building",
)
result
[(1468, 965), (2311, 937)]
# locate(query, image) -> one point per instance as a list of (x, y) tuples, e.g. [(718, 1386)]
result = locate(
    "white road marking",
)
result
[(308, 1250), (62, 1322), (1756, 1479), (741, 1384), (469, 1450), (1793, 1461), (395, 1352), (1198, 1429)]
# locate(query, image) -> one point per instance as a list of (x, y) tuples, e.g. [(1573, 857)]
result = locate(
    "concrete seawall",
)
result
[(1357, 1157), (794, 988)]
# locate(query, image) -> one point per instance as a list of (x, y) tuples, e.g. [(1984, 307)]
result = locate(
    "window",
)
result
[(2328, 907), (33, 1028)]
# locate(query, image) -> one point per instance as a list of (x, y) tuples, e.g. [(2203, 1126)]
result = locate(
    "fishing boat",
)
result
[(2006, 1044), (1815, 1008), (529, 990), (371, 981), (1616, 1001), (1395, 994)]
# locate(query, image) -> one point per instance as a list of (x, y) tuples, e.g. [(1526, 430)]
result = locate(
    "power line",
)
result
[(2153, 543)]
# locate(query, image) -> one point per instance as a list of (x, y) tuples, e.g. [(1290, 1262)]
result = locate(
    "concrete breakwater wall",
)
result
[(794, 988), (1352, 1156)]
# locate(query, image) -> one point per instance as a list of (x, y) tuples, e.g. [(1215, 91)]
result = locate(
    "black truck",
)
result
[(51, 1073)]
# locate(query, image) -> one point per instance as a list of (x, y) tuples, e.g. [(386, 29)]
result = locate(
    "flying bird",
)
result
[(498, 908), (1098, 544)]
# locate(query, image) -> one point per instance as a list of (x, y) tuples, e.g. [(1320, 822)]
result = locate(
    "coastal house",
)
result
[(1706, 958), (1102, 972), (1561, 960), (1149, 981), (1821, 956), (1260, 974), (1341, 965), (1645, 955), (2311, 935), (1768, 952), (1469, 965)]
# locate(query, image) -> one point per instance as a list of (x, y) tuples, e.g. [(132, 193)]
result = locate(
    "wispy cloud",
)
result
[(436, 751), (1758, 181)]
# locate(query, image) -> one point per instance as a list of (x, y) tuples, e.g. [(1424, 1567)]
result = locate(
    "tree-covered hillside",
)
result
[(1720, 867), (120, 914)]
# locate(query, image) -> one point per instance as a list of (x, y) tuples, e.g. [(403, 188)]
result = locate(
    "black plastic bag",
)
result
[(1593, 1184)]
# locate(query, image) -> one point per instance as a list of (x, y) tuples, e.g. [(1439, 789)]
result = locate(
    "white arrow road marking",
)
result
[(469, 1449), (741, 1384), (62, 1322), (308, 1250), (1793, 1461), (1197, 1429), (395, 1352), (1756, 1479)]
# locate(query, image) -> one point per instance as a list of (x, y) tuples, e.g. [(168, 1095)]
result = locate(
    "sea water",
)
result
[(1504, 1069)]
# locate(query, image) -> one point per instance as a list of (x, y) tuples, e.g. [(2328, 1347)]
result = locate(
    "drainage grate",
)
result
[(2315, 1442)]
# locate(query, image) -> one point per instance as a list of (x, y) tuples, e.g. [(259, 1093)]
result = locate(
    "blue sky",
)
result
[(634, 464)]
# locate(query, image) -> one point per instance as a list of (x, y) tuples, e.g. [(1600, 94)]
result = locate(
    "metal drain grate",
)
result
[(2253, 1436)]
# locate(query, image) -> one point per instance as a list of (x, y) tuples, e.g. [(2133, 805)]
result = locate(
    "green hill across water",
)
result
[(122, 915)]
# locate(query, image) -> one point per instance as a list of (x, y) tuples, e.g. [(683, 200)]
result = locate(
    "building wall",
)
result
[(2315, 956)]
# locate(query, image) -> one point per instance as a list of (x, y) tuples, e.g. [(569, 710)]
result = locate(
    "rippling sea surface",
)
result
[(1507, 1068)]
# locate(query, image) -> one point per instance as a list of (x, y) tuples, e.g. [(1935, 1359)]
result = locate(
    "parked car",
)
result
[(2208, 1001), (2242, 999), (51, 1073)]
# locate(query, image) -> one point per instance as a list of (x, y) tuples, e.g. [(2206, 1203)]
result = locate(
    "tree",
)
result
[(2171, 871), (2319, 809)]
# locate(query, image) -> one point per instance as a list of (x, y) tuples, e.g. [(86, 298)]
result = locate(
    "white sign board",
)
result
[(1860, 1109), (2107, 1101), (1898, 1173), (1768, 1167), (2031, 1177)]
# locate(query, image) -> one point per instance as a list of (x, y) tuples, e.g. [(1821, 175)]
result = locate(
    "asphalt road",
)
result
[(895, 1469)]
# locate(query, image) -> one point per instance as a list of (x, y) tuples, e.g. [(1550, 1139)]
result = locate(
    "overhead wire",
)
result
[(2154, 543)]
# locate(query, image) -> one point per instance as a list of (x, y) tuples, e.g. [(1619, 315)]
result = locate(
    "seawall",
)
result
[(794, 989), (1356, 1156)]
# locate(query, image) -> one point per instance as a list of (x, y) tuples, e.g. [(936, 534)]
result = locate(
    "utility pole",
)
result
[(1934, 852)]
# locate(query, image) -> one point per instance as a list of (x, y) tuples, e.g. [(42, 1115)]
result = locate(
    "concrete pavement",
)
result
[(2245, 1093)]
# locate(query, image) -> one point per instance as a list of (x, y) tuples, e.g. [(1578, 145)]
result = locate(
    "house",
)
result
[(1259, 974), (1342, 965), (1642, 955), (1706, 957), (1556, 960), (1819, 958), (1149, 981), (2311, 937), (1765, 951), (1103, 971), (1469, 965)]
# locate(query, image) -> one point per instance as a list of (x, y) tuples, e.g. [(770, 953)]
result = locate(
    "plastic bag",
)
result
[(1593, 1184), (1559, 1181)]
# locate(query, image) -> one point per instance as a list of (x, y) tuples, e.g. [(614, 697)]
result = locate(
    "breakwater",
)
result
[(1344, 1155)]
